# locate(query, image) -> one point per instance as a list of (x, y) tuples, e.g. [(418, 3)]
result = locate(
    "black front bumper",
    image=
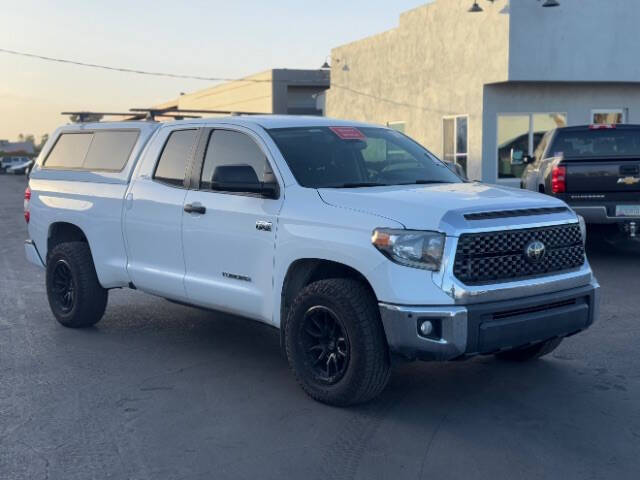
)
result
[(484, 328)]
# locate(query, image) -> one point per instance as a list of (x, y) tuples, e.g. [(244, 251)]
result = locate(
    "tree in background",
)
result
[(27, 138), (43, 140)]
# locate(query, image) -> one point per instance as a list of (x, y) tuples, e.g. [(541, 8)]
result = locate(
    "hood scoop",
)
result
[(523, 212)]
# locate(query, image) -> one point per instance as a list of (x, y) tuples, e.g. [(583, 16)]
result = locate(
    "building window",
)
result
[(522, 132), (608, 116), (397, 126), (455, 140)]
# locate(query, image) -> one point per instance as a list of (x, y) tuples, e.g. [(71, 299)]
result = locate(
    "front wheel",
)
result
[(75, 296), (335, 342), (524, 354)]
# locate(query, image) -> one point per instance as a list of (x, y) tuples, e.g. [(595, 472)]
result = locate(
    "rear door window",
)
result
[(175, 157), (103, 150)]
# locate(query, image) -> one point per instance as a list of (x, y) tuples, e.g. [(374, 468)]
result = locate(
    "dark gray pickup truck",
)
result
[(595, 169)]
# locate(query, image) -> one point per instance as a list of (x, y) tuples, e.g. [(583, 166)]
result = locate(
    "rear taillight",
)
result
[(602, 126), (559, 179), (27, 198)]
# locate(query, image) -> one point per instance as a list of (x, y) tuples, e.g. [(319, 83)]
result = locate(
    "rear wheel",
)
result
[(75, 296), (532, 352), (335, 342)]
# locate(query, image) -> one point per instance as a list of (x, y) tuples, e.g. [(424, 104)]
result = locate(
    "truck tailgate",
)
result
[(603, 175)]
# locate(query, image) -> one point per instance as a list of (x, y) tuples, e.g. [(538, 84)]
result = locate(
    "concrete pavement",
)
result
[(162, 391)]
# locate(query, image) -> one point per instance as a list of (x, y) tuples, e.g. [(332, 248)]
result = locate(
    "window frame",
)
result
[(91, 132), (595, 111), (531, 149), (189, 163), (195, 176), (455, 140)]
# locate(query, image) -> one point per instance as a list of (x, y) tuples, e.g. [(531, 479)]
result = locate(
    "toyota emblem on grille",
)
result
[(535, 251)]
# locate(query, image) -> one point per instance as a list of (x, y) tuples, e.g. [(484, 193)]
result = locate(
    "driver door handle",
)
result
[(192, 208)]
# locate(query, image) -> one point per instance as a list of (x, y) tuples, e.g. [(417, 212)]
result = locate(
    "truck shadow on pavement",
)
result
[(559, 407)]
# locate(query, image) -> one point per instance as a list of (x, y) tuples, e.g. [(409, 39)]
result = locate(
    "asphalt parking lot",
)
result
[(161, 391)]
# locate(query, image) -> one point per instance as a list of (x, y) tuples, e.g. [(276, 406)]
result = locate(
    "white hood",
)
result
[(424, 206)]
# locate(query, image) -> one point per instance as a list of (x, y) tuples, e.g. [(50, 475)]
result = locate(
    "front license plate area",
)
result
[(627, 210)]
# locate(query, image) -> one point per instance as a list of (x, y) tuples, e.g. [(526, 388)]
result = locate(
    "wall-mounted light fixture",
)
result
[(476, 8), (326, 65)]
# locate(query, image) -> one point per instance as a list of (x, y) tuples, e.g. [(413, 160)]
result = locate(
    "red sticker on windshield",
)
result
[(348, 133)]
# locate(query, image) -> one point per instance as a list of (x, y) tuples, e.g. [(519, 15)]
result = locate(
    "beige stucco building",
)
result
[(283, 91), (471, 86)]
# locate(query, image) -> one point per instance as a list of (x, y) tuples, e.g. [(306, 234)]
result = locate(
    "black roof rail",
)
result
[(150, 114), (88, 116), (144, 114), (179, 113)]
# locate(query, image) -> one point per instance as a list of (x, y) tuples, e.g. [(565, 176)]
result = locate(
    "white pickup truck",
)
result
[(352, 239)]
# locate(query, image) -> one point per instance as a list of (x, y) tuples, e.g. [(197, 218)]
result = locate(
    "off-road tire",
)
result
[(368, 369), (533, 352), (89, 298)]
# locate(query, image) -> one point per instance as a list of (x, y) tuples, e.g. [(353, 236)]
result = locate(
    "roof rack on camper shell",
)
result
[(149, 114)]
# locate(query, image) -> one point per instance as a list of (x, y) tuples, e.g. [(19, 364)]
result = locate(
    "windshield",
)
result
[(348, 157)]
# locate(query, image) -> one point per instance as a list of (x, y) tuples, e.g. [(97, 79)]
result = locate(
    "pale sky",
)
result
[(196, 37)]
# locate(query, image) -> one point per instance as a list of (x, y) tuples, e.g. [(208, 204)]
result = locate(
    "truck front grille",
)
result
[(491, 257)]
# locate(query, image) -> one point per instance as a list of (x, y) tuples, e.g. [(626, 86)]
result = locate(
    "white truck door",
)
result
[(229, 228), (153, 216)]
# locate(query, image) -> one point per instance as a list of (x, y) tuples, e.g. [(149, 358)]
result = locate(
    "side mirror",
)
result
[(270, 190), (243, 179)]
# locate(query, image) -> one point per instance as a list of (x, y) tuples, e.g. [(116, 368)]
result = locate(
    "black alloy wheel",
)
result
[(325, 344), (75, 295), (64, 287), (335, 342)]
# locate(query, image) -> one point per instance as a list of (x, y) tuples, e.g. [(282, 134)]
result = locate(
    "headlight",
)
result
[(412, 248), (583, 228)]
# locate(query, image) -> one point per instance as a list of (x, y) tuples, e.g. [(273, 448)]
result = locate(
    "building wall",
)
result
[(577, 100), (434, 64), (255, 94), (581, 40), (274, 91), (295, 91)]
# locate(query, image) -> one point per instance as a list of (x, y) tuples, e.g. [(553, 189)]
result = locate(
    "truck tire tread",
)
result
[(368, 344), (91, 297)]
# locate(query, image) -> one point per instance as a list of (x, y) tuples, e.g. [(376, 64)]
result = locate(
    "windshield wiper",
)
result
[(360, 184)]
